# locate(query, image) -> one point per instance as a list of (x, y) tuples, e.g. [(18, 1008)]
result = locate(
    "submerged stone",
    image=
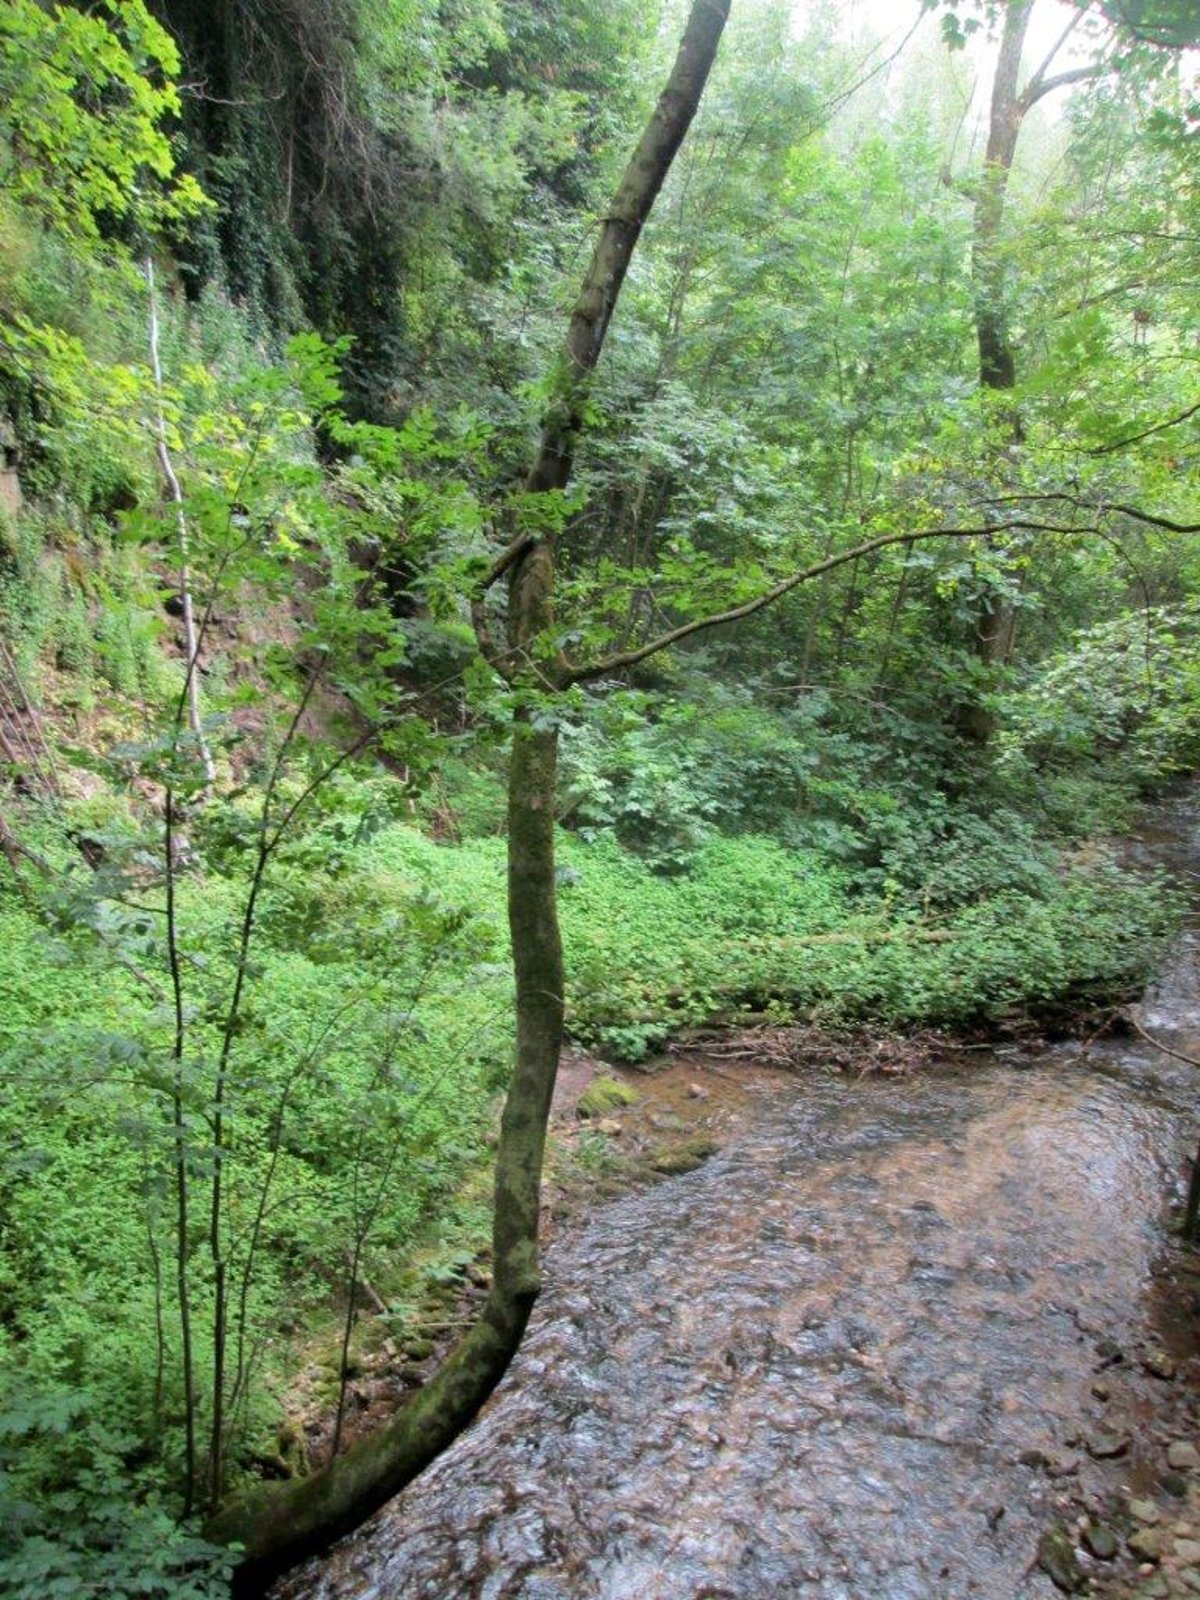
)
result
[(1105, 1446), (1100, 1541), (1057, 1559), (1148, 1543)]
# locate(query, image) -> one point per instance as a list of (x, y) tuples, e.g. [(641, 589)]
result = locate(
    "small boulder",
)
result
[(677, 1158), (1158, 1364)]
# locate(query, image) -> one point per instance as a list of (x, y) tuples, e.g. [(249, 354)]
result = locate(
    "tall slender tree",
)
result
[(279, 1524)]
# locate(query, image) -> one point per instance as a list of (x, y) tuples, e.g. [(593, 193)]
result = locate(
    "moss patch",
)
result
[(604, 1095), (685, 1157)]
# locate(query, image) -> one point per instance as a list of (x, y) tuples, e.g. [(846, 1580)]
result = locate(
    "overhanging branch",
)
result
[(1095, 508), (629, 658), (1146, 433)]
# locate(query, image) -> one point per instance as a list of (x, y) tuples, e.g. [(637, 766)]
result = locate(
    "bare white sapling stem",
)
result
[(191, 642)]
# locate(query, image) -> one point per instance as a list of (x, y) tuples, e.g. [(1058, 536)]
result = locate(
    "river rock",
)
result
[(1144, 1511), (1188, 1551), (1106, 1446), (1100, 1541), (1158, 1364), (1057, 1559), (1148, 1543), (686, 1157), (1183, 1455)]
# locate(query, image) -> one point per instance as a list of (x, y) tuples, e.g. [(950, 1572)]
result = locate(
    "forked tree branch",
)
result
[(1040, 87), (1039, 84)]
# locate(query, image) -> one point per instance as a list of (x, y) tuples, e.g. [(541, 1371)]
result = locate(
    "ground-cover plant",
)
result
[(753, 927), (363, 1087)]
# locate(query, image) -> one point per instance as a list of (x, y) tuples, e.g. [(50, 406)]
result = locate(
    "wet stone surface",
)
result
[(885, 1338)]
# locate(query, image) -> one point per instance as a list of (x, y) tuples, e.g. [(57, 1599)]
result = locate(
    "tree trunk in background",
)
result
[(997, 363), (279, 1524), (995, 621), (995, 626)]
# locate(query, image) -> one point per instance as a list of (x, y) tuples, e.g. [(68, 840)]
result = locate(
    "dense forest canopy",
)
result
[(832, 532)]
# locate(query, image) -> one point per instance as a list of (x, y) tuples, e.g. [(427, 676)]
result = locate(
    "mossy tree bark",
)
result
[(279, 1524)]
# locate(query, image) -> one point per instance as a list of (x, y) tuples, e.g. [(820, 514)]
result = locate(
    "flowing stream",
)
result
[(867, 1352)]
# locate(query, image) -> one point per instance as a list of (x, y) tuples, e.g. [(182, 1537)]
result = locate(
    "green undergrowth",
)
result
[(756, 927)]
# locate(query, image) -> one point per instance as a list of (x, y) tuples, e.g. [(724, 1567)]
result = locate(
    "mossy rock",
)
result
[(604, 1095), (686, 1157), (1056, 1557)]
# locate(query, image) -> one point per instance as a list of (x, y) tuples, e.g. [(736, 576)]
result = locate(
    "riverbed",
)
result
[(894, 1329)]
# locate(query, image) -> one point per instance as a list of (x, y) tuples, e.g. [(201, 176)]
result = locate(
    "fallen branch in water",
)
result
[(1176, 1055)]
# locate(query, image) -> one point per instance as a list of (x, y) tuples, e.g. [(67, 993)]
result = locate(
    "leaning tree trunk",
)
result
[(278, 1524)]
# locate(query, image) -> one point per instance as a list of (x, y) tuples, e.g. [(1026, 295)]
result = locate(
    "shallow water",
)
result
[(850, 1357)]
